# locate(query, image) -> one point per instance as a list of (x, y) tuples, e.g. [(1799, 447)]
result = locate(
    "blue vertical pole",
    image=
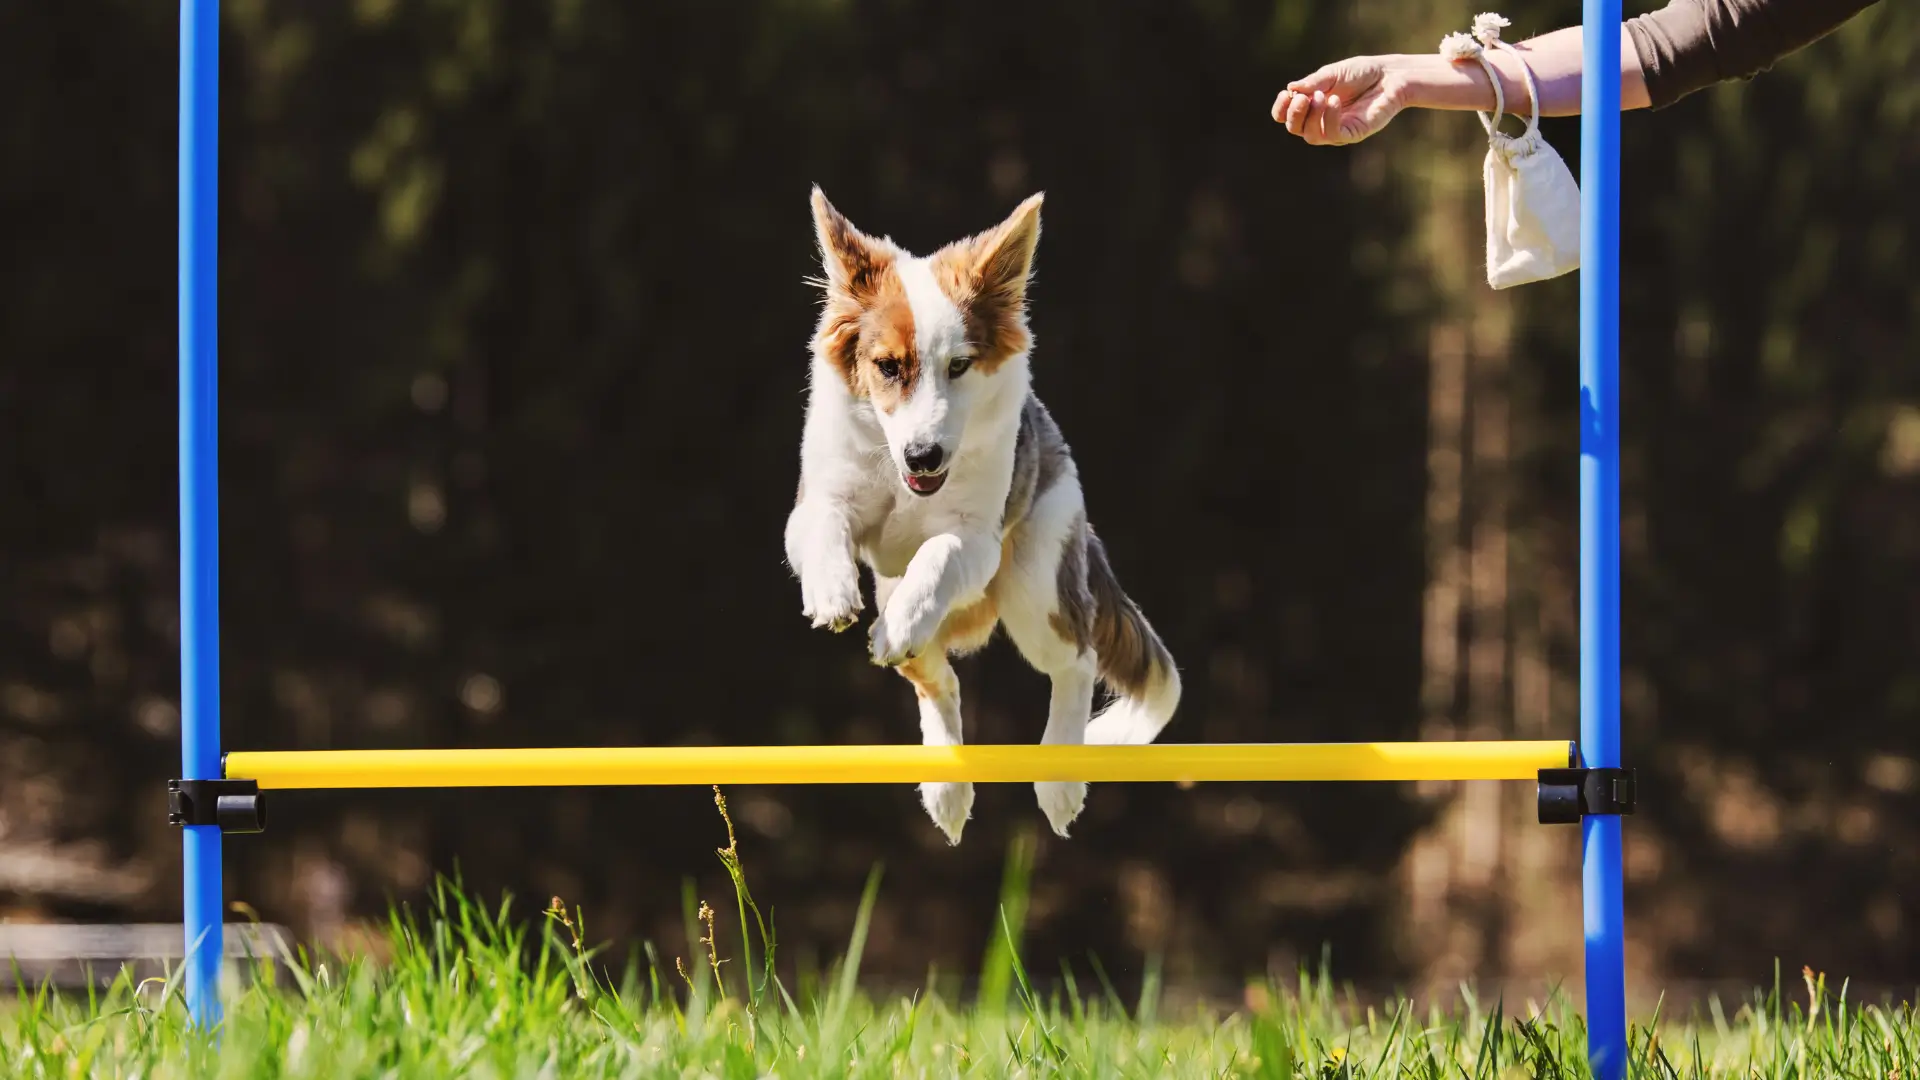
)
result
[(1601, 886), (199, 491)]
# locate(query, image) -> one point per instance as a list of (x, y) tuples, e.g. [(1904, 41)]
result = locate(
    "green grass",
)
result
[(472, 991)]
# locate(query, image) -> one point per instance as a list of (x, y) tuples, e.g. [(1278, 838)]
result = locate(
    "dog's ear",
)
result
[(1003, 255), (852, 259), (986, 276)]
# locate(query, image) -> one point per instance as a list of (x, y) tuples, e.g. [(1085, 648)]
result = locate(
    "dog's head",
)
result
[(924, 339)]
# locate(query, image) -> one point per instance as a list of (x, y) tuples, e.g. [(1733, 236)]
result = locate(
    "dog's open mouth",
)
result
[(924, 483)]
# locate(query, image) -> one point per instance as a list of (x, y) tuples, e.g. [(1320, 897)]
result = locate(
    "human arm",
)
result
[(1664, 55), (1692, 44), (1347, 101)]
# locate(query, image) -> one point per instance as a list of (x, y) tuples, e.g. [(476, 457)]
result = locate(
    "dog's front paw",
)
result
[(830, 597), (888, 647), (1061, 802), (903, 631), (949, 805)]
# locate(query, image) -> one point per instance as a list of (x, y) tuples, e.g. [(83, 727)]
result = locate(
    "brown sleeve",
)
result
[(1692, 44)]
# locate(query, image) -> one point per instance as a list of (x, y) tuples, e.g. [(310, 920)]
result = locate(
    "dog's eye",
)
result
[(958, 366), (889, 367)]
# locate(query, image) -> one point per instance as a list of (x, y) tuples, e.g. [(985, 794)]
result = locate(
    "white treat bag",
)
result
[(1533, 203)]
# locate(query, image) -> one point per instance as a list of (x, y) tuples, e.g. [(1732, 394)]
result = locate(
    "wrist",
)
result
[(1431, 81)]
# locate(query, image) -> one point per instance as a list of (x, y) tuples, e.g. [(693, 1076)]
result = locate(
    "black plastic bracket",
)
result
[(1567, 795), (236, 806)]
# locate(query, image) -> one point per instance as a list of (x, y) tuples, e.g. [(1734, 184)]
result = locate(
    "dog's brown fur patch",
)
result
[(967, 629), (886, 333), (1129, 650), (864, 298), (932, 677), (855, 262), (986, 278)]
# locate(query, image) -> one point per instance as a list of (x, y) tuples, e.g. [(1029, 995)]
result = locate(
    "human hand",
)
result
[(1344, 102)]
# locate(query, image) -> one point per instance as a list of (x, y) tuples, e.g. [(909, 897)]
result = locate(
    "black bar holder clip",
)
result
[(236, 806), (1567, 795)]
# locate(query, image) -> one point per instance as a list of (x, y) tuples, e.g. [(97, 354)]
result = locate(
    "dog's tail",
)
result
[(1134, 663)]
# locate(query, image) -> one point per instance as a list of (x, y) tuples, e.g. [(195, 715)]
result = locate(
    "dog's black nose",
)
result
[(925, 459)]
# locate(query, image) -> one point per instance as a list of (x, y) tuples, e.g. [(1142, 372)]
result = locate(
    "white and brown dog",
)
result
[(927, 457)]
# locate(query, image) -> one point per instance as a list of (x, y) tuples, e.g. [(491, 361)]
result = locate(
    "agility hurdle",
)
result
[(1581, 782), (893, 764)]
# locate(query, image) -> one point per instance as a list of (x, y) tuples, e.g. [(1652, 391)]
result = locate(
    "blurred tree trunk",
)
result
[(1486, 891)]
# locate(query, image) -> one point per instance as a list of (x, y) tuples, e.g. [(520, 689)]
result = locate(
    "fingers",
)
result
[(1323, 80), (1313, 119), (1330, 120), (1295, 110), (1297, 99), (1292, 110), (1315, 116), (1328, 115), (1280, 104)]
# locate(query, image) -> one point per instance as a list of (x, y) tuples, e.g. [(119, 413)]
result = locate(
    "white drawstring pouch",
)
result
[(1533, 202)]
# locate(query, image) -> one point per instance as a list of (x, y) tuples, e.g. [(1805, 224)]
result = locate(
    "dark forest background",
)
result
[(513, 351)]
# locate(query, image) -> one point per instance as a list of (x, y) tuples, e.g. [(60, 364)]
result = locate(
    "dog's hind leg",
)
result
[(1040, 590), (1071, 703), (938, 690), (1067, 711)]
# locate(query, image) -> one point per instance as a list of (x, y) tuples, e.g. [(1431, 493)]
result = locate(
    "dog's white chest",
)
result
[(891, 544)]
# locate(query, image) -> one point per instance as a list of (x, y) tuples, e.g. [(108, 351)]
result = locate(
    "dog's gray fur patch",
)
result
[(1040, 458), (1073, 619), (1092, 611)]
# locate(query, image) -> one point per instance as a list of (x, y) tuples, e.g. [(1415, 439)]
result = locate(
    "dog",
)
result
[(926, 456)]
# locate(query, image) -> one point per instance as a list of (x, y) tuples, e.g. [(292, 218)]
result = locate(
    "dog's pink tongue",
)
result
[(919, 483)]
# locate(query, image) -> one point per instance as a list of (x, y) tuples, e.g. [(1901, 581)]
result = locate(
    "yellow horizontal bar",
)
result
[(895, 764)]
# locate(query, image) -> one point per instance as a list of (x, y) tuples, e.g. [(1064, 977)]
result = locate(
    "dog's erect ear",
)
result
[(852, 259), (986, 275), (1003, 255)]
